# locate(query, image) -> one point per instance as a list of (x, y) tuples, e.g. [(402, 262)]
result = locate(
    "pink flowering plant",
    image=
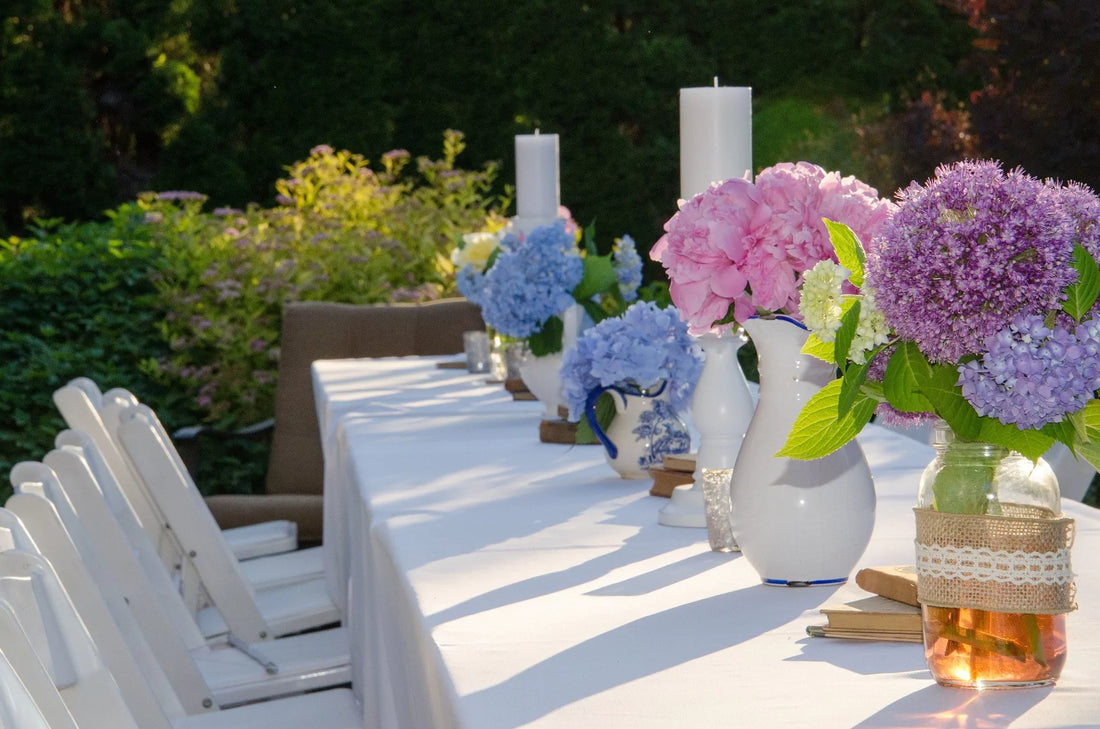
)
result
[(976, 303), (740, 248)]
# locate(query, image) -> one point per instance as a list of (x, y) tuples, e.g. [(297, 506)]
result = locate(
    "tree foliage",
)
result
[(106, 98)]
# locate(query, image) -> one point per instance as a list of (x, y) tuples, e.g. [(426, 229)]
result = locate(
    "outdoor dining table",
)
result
[(489, 580)]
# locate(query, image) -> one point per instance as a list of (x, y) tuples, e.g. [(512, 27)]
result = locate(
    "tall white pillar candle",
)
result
[(537, 186), (715, 136)]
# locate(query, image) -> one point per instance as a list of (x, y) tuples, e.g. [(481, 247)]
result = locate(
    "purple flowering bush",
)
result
[(987, 282)]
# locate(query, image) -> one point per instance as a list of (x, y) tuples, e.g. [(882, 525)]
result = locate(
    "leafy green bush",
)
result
[(76, 300), (183, 307), (342, 232)]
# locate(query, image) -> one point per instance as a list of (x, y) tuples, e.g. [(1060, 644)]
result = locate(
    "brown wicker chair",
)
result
[(322, 330)]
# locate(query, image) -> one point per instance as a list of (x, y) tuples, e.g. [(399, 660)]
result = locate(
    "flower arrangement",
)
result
[(526, 281), (739, 248), (473, 255), (637, 351), (532, 280), (975, 303)]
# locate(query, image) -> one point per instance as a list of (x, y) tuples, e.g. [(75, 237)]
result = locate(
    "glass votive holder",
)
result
[(716, 501), (476, 344)]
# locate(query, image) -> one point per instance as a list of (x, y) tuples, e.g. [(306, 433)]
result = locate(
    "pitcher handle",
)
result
[(593, 421)]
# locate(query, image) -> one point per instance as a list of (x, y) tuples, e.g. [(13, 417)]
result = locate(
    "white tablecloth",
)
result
[(495, 581)]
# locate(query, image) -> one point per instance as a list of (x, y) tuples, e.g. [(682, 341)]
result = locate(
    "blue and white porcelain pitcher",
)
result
[(646, 428)]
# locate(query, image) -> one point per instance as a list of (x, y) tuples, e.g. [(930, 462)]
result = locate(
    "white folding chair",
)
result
[(71, 657), (122, 645), (231, 672), (262, 572), (248, 614), (80, 402), (28, 699)]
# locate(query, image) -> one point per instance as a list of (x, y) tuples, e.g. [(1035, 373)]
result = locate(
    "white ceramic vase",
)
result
[(797, 522), (720, 410), (646, 428), (543, 379)]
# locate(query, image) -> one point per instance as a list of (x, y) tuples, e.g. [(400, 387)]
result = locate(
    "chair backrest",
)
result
[(132, 631), (30, 590), (79, 403), (28, 698), (120, 506), (203, 544), (88, 533), (147, 586), (122, 645), (321, 330)]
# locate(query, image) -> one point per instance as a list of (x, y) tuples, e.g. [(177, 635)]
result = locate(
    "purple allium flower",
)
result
[(321, 150), (965, 253), (226, 211), (1033, 374), (643, 347)]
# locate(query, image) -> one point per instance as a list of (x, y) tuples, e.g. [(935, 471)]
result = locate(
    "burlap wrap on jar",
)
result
[(1017, 563)]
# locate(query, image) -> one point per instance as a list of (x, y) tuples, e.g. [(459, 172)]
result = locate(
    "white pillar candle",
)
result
[(715, 136), (537, 186)]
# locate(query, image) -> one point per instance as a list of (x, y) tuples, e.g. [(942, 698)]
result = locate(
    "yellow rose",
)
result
[(475, 251)]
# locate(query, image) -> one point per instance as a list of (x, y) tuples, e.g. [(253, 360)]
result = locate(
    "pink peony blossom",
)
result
[(746, 245)]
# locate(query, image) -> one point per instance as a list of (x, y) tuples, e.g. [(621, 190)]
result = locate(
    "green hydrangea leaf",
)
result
[(1091, 453), (1029, 443), (849, 321), (599, 276), (548, 339), (906, 369), (1069, 431), (849, 251), (1090, 419), (850, 388), (817, 348), (1082, 294), (818, 431), (948, 401), (590, 240)]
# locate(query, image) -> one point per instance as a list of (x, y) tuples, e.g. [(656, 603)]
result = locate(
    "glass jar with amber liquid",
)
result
[(974, 648)]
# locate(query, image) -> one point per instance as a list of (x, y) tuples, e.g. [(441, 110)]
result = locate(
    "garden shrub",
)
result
[(76, 300), (183, 306), (341, 232)]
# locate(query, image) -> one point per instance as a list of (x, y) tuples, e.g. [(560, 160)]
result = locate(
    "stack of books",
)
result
[(674, 471), (891, 612)]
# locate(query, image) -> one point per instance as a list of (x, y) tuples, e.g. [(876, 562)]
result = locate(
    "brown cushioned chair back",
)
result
[(322, 330)]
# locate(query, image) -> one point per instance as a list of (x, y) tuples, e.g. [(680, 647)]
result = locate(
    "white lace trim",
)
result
[(994, 565)]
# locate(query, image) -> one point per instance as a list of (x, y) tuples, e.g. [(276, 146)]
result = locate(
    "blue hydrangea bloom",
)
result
[(1032, 374), (643, 347), (628, 267), (470, 283), (532, 280)]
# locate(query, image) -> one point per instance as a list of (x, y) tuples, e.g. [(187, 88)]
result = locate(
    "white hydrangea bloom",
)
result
[(871, 330), (475, 250), (821, 298)]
